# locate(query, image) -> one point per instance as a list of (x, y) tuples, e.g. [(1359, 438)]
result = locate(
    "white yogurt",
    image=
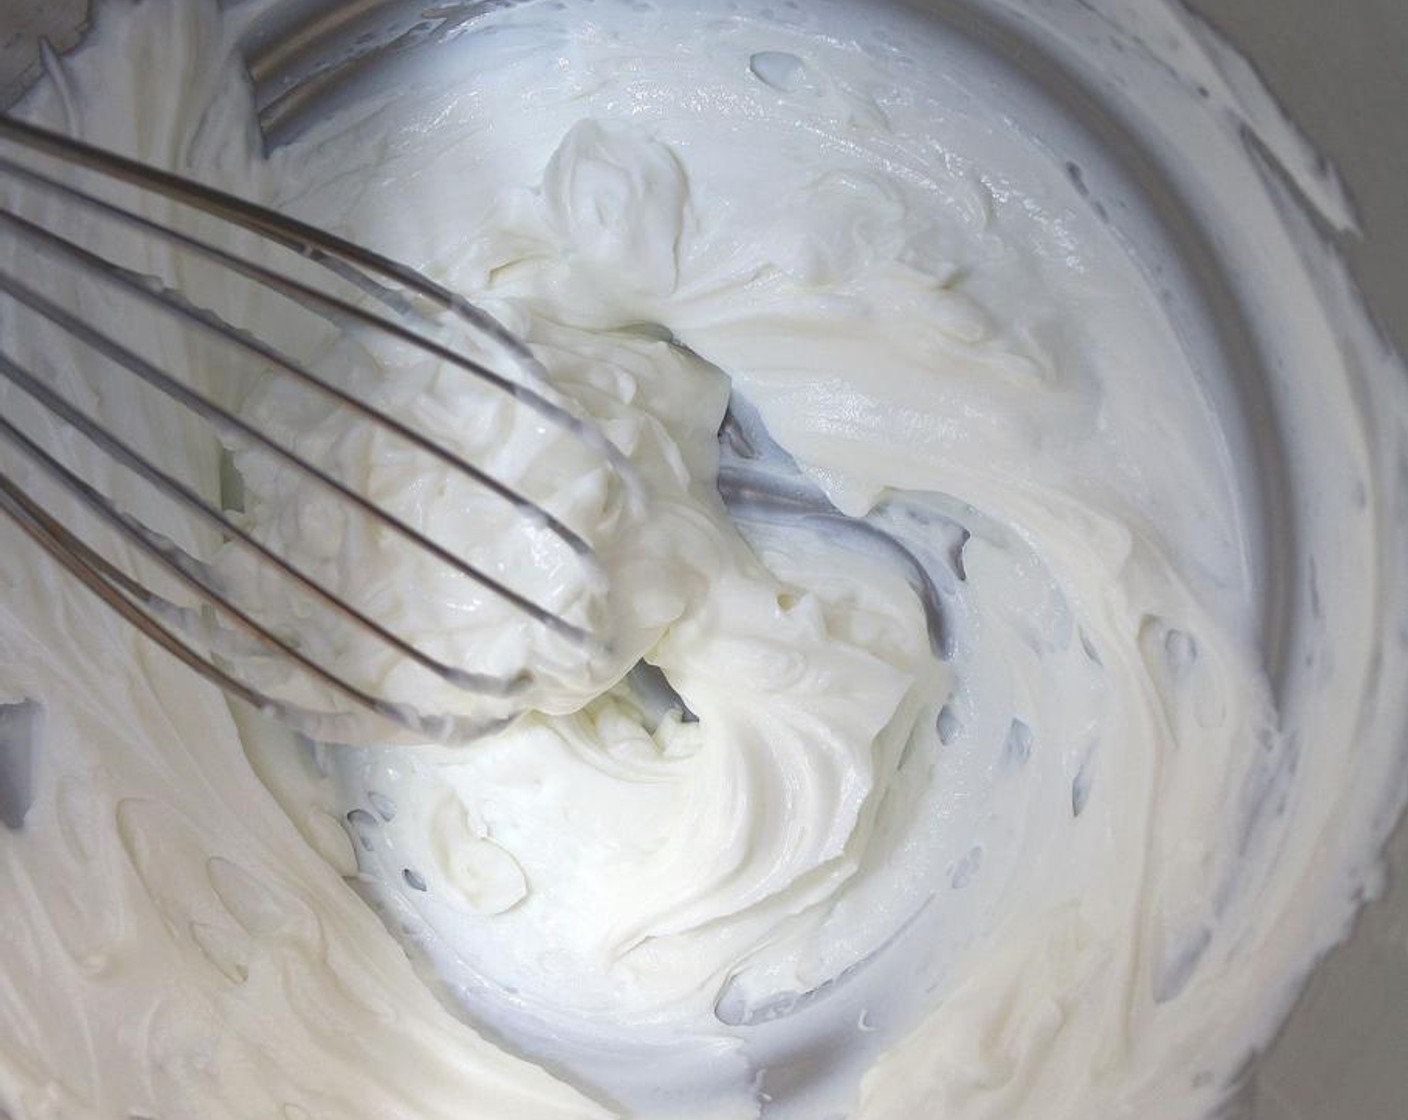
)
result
[(989, 800)]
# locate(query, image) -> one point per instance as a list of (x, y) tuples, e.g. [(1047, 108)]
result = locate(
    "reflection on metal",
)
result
[(306, 58), (20, 726)]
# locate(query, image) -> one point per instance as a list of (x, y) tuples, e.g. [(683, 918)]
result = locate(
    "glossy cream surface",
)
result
[(979, 789)]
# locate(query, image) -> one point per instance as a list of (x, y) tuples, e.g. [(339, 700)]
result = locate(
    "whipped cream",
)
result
[(1000, 771)]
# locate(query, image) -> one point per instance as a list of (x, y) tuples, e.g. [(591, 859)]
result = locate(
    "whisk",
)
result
[(394, 303)]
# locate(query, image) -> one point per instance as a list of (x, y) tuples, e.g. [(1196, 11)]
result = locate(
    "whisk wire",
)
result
[(338, 312), (212, 326), (106, 580), (181, 630), (345, 259), (230, 423), (121, 592), (167, 555), (348, 259), (123, 452)]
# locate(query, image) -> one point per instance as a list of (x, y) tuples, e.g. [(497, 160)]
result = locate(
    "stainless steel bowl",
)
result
[(1338, 70)]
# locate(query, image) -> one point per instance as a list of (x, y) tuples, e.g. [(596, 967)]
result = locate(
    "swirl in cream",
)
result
[(971, 793)]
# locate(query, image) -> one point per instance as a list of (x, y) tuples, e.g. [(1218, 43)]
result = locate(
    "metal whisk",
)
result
[(391, 301)]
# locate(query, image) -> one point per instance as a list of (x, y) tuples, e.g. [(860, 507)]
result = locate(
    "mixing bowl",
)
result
[(1340, 1053)]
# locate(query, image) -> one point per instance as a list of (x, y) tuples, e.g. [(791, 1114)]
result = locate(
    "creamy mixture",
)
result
[(942, 761)]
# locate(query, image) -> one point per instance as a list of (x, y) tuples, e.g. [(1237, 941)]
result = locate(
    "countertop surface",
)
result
[(1340, 69)]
